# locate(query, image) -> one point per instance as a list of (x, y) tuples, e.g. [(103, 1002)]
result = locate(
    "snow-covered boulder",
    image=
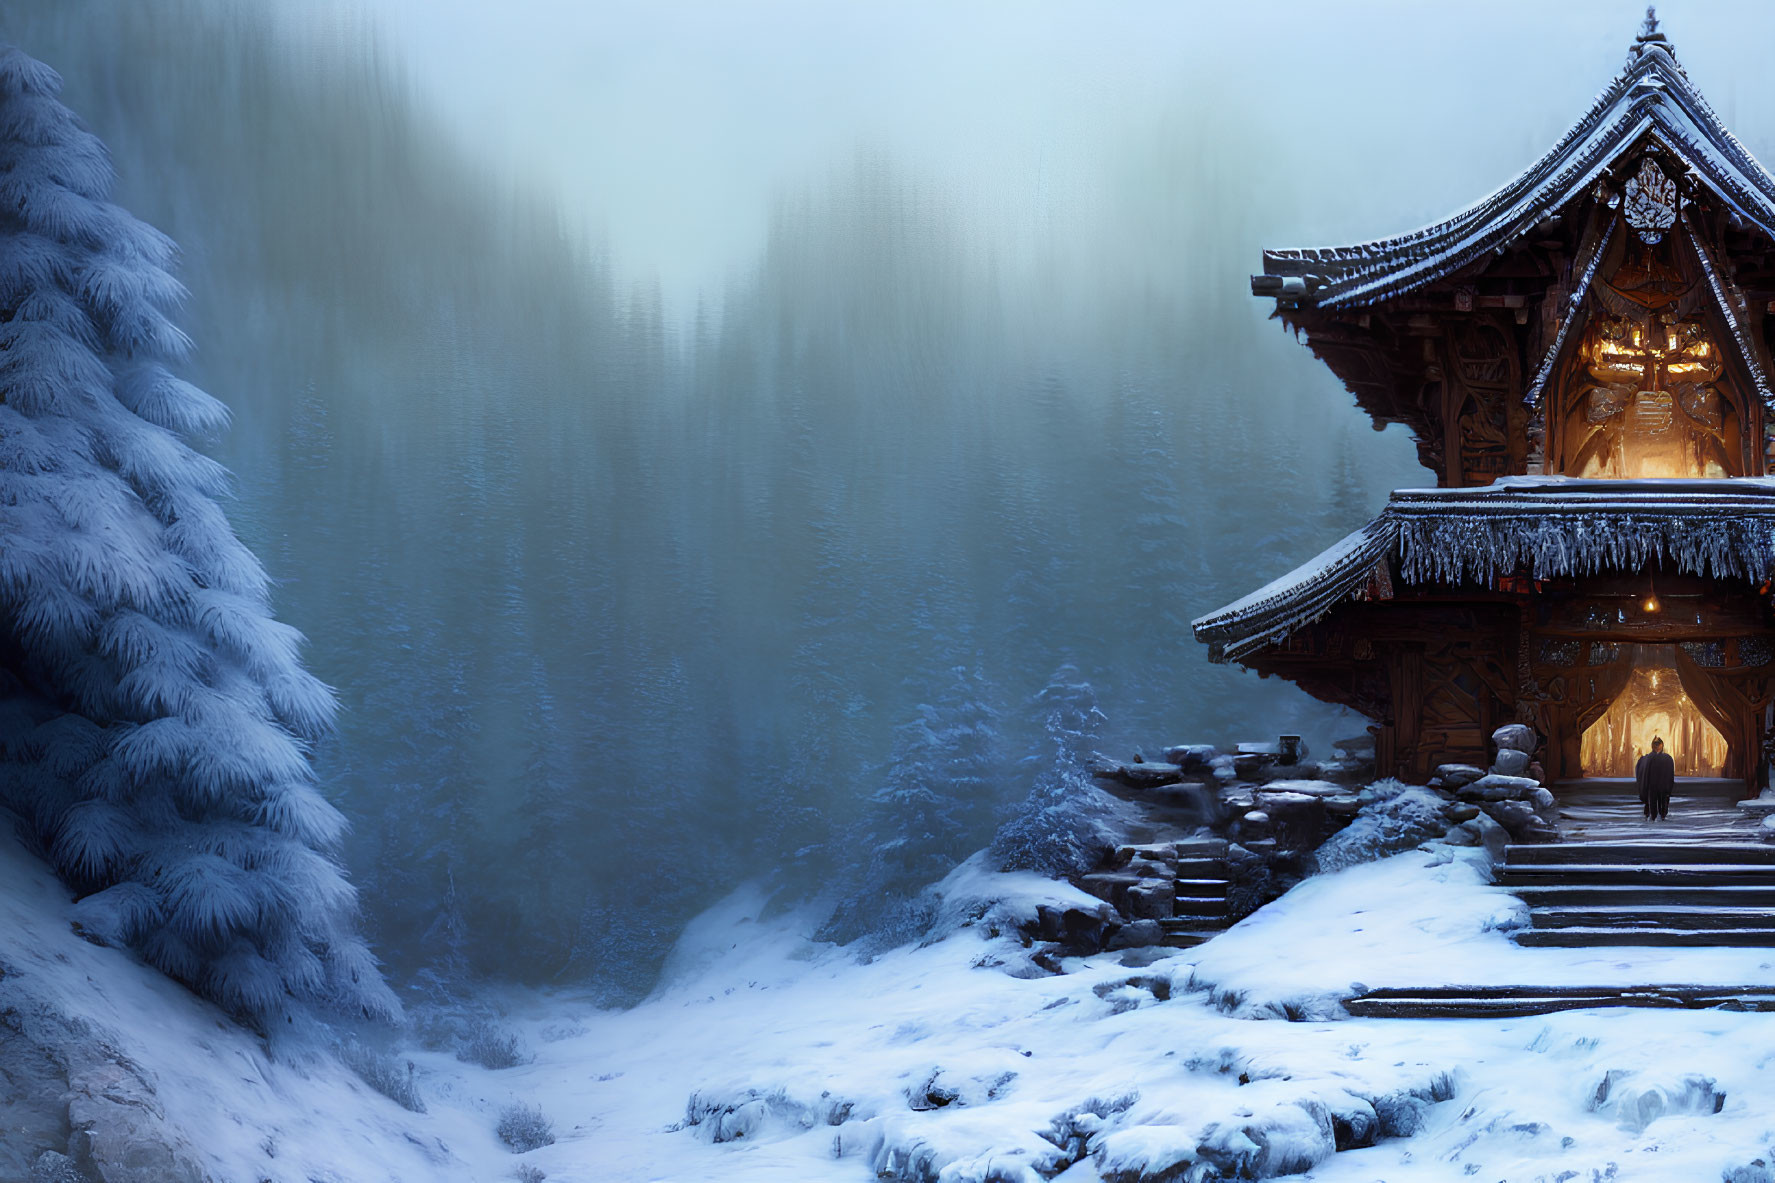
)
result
[(1397, 823), (1191, 757), (1518, 737), (1497, 787), (1511, 762), (1635, 1101)]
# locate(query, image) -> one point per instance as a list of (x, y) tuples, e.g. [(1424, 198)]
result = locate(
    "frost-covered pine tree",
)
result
[(1055, 830), (154, 719), (942, 789)]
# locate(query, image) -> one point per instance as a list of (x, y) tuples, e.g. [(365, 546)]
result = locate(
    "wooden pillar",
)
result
[(1406, 675)]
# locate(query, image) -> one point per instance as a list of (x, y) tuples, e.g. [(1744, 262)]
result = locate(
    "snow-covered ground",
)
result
[(769, 1057)]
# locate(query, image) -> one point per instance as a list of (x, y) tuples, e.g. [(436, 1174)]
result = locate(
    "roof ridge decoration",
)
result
[(1650, 99), (1649, 34)]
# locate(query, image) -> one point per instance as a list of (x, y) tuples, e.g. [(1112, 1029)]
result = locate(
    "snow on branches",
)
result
[(154, 719)]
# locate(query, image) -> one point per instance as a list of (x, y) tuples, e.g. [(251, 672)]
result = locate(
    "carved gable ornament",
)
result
[(1651, 202)]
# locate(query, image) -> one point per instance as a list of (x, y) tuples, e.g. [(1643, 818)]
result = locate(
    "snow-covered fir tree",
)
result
[(1054, 830), (155, 720), (941, 790)]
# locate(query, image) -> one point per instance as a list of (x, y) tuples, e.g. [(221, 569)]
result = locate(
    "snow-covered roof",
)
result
[(1652, 98), (1544, 526)]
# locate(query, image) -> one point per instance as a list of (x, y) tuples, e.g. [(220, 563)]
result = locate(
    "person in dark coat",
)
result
[(1656, 775)]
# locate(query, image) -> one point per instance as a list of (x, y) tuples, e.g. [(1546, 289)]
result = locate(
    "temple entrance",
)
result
[(1654, 703)]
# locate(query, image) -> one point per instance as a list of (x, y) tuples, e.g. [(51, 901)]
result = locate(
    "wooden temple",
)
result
[(1584, 361)]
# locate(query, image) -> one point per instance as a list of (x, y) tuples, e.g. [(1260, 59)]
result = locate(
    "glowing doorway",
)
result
[(1653, 704)]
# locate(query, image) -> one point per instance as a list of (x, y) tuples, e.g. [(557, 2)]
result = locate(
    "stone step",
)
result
[(1680, 917), (1113, 879), (1186, 932), (1204, 889), (1199, 907), (1201, 847), (1645, 874), (1201, 868), (1483, 1002), (1639, 853), (1640, 894), (1587, 938)]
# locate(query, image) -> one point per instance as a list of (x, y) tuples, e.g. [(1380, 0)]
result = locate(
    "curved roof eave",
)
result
[(1652, 97)]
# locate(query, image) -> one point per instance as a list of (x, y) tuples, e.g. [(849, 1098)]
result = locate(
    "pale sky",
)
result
[(669, 126)]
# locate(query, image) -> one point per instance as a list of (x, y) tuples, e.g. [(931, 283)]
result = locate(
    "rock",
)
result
[(1516, 737), (1455, 775), (1257, 817), (1248, 764), (1493, 787), (1151, 901), (1510, 762), (1147, 859), (1465, 834), (1279, 801), (1536, 772), (1521, 821), (1311, 788), (1139, 775), (1191, 757), (1076, 931), (1138, 934), (1460, 811), (1636, 1102), (1299, 821), (1343, 805), (1543, 803), (119, 1132), (1767, 828), (1492, 836), (1307, 770), (1383, 828), (1196, 804)]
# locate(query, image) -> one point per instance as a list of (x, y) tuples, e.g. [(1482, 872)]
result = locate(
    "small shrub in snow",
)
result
[(391, 1077), (54, 1167), (492, 1047), (528, 1173), (524, 1128)]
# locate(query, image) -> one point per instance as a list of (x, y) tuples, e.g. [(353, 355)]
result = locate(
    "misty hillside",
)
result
[(644, 601)]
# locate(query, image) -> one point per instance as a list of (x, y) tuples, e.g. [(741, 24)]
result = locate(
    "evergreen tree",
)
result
[(940, 792), (1052, 831), (155, 721)]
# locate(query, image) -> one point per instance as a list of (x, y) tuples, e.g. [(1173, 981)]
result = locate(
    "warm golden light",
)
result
[(1653, 704), (1648, 406), (1651, 604)]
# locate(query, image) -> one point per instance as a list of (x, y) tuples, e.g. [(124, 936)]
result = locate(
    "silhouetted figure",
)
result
[(1656, 776)]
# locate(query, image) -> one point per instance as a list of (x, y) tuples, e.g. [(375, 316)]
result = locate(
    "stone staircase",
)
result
[(1198, 900), (1645, 892), (1180, 885)]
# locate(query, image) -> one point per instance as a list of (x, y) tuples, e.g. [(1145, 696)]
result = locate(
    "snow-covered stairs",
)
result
[(1499, 1002), (1668, 892), (1198, 903), (1176, 890)]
